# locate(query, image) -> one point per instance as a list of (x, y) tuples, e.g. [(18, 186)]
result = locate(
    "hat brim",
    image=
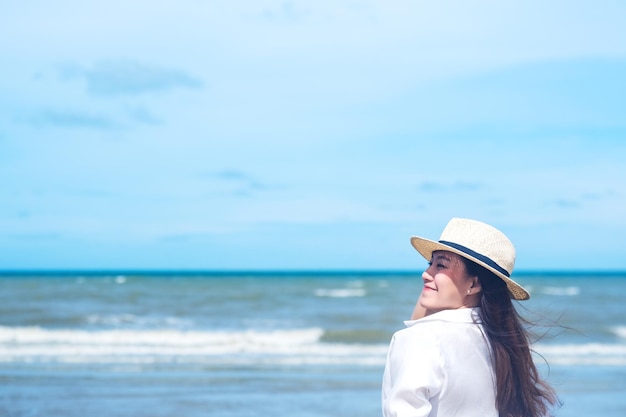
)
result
[(426, 247)]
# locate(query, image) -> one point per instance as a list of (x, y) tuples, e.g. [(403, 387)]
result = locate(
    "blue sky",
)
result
[(309, 134)]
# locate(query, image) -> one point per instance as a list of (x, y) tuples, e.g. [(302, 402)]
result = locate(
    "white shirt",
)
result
[(440, 365)]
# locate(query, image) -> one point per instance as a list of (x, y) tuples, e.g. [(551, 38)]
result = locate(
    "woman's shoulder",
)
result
[(442, 325), (425, 332)]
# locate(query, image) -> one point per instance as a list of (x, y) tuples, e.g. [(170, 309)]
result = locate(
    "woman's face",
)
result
[(447, 285)]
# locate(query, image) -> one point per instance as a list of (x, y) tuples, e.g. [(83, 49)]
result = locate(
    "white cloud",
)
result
[(112, 78)]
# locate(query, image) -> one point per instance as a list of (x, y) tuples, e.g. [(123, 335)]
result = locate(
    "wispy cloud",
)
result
[(143, 116), (115, 78), (241, 183), (565, 203), (232, 175), (42, 236), (66, 119), (440, 187), (286, 11), (598, 196), (589, 200)]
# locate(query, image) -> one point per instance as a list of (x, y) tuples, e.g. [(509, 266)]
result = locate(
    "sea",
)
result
[(280, 344)]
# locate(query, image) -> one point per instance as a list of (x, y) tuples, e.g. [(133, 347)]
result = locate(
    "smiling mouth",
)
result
[(429, 288)]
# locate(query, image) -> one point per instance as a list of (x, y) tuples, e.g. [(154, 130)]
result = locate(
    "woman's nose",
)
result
[(426, 276)]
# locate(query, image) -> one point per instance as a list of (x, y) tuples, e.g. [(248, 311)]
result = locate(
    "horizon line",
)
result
[(265, 272)]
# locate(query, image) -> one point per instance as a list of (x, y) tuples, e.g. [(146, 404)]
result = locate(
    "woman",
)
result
[(465, 351)]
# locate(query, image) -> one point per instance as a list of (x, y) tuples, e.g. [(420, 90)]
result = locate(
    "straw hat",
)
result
[(480, 243)]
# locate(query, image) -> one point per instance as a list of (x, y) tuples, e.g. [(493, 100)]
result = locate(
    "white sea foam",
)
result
[(561, 291), (341, 292), (620, 331), (354, 288), (584, 354), (223, 348), (300, 346), (134, 320)]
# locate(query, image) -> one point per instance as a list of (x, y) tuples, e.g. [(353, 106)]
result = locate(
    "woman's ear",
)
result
[(476, 287)]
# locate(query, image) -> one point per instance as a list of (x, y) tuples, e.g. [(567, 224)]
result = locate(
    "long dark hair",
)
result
[(520, 391)]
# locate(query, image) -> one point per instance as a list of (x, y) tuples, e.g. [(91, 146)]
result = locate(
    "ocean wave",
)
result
[(564, 291), (117, 320), (341, 292), (299, 346), (305, 346), (354, 288), (611, 354), (620, 331)]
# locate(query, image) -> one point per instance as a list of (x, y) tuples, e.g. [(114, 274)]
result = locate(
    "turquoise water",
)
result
[(281, 344)]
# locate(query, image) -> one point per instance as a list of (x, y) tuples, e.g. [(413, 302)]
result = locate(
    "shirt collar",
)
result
[(461, 315)]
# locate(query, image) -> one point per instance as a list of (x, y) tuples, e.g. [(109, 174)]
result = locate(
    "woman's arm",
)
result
[(413, 374)]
